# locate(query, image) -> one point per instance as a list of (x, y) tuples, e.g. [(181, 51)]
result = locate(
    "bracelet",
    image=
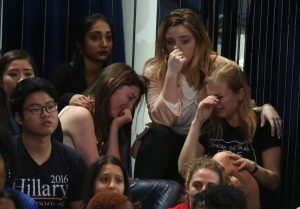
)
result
[(254, 169)]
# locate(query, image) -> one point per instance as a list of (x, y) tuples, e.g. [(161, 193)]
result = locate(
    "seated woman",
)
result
[(109, 174), (105, 174), (107, 129), (15, 66), (183, 59), (225, 120), (201, 174), (92, 49)]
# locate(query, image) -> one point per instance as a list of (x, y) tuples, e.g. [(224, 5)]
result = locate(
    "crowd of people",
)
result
[(65, 142)]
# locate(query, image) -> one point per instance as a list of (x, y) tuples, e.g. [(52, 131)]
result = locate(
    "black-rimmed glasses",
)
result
[(38, 109)]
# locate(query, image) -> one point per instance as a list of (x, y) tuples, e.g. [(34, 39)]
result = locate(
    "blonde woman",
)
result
[(225, 120)]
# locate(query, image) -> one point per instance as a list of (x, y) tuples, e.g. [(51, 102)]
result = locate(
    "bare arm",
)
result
[(77, 122), (269, 113), (175, 64), (249, 185), (269, 174), (192, 148), (158, 109), (159, 92), (239, 178), (113, 141)]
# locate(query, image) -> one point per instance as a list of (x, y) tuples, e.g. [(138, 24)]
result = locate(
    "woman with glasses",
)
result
[(50, 172)]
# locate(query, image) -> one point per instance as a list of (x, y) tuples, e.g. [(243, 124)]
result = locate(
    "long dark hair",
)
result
[(83, 28), (7, 153), (12, 55), (4, 111), (102, 89), (93, 172)]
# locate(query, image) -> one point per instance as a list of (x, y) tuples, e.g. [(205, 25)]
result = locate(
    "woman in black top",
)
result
[(92, 49)]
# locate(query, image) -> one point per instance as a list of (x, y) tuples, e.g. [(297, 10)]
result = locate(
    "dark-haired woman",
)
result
[(15, 66), (92, 49), (106, 130), (105, 174)]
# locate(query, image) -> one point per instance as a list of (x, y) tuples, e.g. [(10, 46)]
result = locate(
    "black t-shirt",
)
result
[(232, 141), (56, 182)]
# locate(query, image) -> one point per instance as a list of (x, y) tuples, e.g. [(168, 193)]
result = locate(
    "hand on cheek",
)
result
[(124, 118)]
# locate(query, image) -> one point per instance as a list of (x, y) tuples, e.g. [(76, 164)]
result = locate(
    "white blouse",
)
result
[(186, 108)]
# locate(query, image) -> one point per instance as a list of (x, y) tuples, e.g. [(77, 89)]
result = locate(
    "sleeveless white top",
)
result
[(67, 140)]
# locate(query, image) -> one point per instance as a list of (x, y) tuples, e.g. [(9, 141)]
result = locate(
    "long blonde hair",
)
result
[(200, 63), (230, 73)]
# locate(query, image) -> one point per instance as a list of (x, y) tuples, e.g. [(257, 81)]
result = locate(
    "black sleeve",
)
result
[(61, 79), (264, 140), (77, 182), (203, 139), (64, 100)]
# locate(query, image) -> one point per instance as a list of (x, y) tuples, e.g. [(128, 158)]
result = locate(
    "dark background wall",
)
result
[(46, 28)]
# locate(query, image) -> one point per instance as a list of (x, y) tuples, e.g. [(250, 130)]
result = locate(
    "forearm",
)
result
[(113, 142), (169, 91), (191, 148), (159, 111), (88, 150), (249, 186), (267, 178)]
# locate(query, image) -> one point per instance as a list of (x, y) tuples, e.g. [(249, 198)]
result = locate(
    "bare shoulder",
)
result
[(75, 113), (218, 58)]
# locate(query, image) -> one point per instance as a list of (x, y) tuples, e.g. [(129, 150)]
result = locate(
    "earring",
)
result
[(9, 176)]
